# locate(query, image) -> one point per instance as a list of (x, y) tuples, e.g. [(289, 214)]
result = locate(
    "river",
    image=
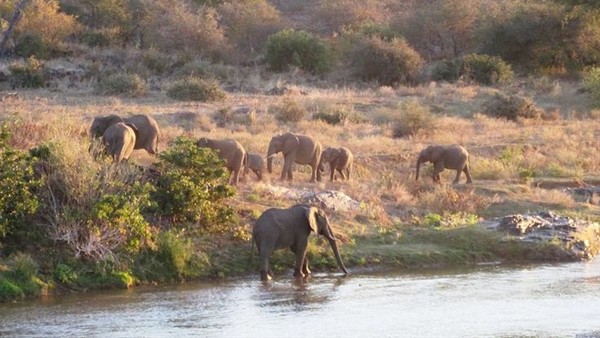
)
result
[(551, 300)]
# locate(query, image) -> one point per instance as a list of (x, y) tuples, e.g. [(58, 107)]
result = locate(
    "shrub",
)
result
[(130, 85), (9, 291), (591, 82), (44, 19), (299, 49), (192, 187), (386, 62), (18, 200), (483, 69), (196, 89), (512, 107), (412, 119), (174, 258), (175, 25), (338, 14), (249, 24), (31, 45), (289, 111), (98, 37), (338, 115), (94, 210), (29, 75)]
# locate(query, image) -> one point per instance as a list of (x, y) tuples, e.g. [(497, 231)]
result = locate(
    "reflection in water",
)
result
[(491, 301)]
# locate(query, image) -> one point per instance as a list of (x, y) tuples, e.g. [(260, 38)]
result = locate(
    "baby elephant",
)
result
[(256, 163), (119, 140), (446, 157), (339, 159)]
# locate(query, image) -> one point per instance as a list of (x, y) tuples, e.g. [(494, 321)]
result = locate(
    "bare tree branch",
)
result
[(11, 25)]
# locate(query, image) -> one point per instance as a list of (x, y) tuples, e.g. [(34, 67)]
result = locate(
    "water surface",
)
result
[(560, 300)]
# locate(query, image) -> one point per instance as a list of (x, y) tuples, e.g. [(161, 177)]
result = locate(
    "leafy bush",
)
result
[(483, 69), (386, 62), (31, 45), (591, 82), (339, 14), (299, 49), (512, 107), (174, 258), (44, 19), (9, 290), (131, 85), (29, 75), (17, 186), (97, 38), (192, 187), (412, 119), (196, 89), (289, 111)]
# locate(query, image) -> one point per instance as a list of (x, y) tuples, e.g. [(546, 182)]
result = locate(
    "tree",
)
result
[(11, 25)]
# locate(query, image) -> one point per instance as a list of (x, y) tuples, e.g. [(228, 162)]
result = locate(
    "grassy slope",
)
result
[(389, 227)]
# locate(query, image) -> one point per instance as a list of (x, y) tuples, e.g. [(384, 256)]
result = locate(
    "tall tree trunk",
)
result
[(11, 25)]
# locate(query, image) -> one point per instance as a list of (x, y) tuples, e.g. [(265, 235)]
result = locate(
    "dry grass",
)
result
[(503, 153)]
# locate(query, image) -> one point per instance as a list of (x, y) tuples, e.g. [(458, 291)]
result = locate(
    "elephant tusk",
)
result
[(272, 156)]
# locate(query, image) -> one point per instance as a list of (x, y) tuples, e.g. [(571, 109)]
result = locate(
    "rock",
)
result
[(550, 227), (330, 200)]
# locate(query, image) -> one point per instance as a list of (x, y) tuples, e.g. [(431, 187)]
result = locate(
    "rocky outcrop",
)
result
[(579, 238), (330, 199)]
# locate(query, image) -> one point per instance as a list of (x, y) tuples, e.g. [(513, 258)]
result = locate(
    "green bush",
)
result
[(591, 82), (192, 187), (97, 38), (300, 49), (9, 290), (337, 116), (481, 68), (412, 119), (28, 45), (196, 89), (122, 84), (386, 62), (18, 201), (64, 273), (512, 107), (175, 258), (29, 75)]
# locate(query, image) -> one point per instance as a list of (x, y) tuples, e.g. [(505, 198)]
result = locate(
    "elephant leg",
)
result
[(468, 174), (299, 248), (343, 177), (305, 270), (457, 178), (236, 177), (265, 271), (438, 168)]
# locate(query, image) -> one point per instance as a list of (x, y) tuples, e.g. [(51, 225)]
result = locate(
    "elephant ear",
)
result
[(291, 143), (311, 216)]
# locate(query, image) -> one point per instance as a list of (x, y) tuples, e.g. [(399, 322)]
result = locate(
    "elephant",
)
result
[(119, 140), (231, 151), (296, 148), (339, 159), (148, 131), (446, 157), (256, 163), (289, 228)]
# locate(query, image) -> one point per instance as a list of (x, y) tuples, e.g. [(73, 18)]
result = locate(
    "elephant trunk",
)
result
[(338, 258), (270, 154)]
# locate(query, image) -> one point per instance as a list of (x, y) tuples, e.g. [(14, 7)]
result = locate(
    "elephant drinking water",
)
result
[(289, 228)]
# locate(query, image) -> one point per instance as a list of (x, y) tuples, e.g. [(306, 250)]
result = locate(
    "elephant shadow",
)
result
[(298, 294)]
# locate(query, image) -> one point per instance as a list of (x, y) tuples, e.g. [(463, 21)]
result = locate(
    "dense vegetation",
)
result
[(70, 220)]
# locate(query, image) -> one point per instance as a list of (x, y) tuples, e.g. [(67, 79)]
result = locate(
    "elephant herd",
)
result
[(275, 228)]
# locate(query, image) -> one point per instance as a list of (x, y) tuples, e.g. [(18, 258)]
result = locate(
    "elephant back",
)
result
[(148, 132)]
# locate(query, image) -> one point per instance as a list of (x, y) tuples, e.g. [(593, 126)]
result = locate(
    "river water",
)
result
[(561, 300)]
